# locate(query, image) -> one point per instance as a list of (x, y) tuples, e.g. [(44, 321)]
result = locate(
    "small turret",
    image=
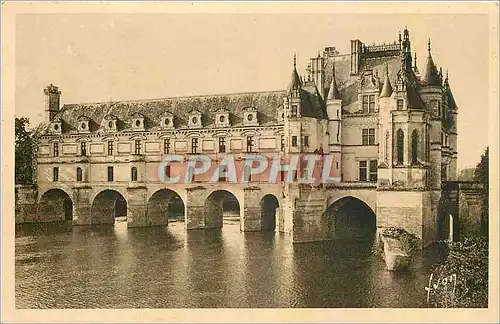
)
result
[(415, 68), (295, 83), (333, 93), (430, 76), (387, 87)]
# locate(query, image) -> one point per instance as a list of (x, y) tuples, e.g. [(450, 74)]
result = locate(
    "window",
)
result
[(137, 147), (222, 175), (294, 141), (56, 149), (306, 141), (387, 147), (110, 147), (133, 175), (222, 145), (194, 145), (249, 143), (444, 172), (414, 147), (282, 143), (439, 108), (247, 174), (399, 146), (167, 171), (365, 104), (368, 104), (166, 146), (371, 107), (55, 174), (399, 104), (294, 111), (282, 176), (191, 174), (79, 174), (83, 148), (368, 136), (110, 174), (373, 170), (362, 170)]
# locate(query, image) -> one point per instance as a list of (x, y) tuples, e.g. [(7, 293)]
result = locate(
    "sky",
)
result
[(103, 57)]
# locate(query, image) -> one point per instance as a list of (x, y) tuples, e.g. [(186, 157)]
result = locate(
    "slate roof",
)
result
[(266, 103)]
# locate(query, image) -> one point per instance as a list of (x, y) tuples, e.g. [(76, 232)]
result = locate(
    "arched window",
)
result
[(79, 174), (414, 147), (387, 147), (400, 136), (134, 174)]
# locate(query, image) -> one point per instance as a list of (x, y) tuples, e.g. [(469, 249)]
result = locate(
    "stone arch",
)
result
[(218, 204), (448, 224), (164, 204), (269, 208), (106, 206), (55, 204), (351, 218)]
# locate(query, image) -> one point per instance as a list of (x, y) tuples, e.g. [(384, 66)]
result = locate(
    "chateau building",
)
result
[(390, 127)]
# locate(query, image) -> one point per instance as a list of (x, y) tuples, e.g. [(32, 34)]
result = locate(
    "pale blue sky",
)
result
[(98, 57)]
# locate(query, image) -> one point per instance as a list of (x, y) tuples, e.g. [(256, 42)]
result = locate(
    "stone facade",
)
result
[(390, 129)]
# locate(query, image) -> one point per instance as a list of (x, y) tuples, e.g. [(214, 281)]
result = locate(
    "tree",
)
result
[(481, 172), (24, 152)]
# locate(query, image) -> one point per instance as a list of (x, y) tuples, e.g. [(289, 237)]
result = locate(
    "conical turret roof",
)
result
[(333, 93), (387, 87), (295, 82), (430, 75)]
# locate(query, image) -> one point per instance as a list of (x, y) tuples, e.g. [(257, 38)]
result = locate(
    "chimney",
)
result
[(355, 56), (52, 96)]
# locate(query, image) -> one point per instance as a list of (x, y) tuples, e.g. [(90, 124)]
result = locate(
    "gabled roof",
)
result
[(312, 104)]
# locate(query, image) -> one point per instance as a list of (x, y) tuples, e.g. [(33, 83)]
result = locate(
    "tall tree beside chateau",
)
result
[(24, 152), (481, 174)]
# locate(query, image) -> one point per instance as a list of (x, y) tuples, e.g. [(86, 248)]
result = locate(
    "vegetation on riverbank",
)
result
[(409, 242), (461, 279)]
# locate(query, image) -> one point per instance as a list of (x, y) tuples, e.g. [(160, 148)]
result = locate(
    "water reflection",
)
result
[(106, 266)]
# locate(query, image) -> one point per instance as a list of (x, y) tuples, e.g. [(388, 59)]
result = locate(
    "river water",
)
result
[(106, 266)]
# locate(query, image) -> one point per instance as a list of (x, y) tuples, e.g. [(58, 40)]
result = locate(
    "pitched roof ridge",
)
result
[(174, 97)]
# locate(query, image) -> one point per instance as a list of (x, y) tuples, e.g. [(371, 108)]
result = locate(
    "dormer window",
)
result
[(400, 104), (194, 119), (83, 124), (137, 121), (110, 123), (250, 116), (56, 126), (167, 120), (222, 118)]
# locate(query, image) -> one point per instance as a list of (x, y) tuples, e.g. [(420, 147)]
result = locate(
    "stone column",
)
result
[(195, 207), (251, 219), (136, 206), (82, 205)]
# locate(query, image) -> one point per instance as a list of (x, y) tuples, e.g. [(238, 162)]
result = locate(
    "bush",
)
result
[(461, 280), (409, 242)]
